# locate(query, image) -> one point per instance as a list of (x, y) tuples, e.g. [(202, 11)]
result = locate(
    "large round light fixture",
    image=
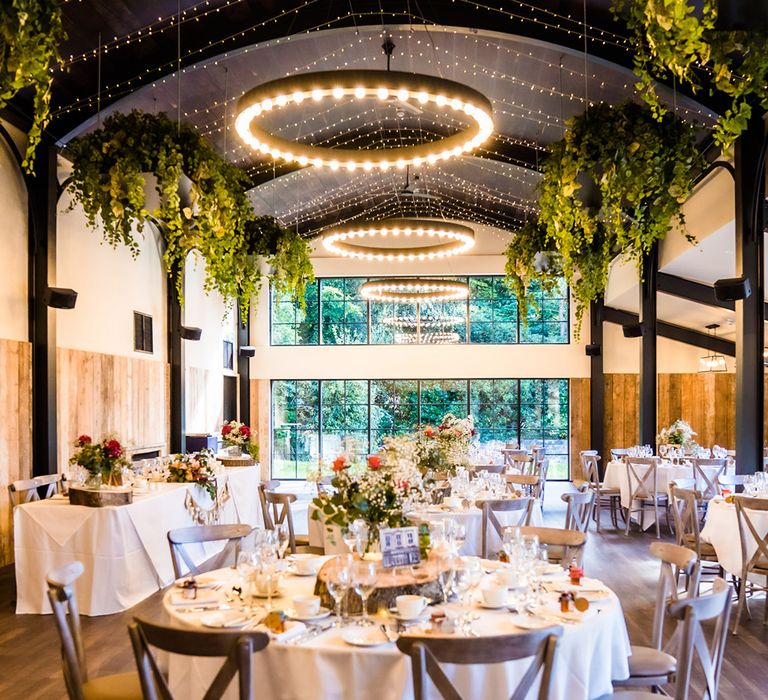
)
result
[(410, 321), (447, 95), (443, 240), (414, 289)]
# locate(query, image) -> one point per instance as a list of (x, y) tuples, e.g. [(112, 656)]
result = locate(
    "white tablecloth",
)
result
[(616, 477), (472, 519), (590, 654), (124, 549), (721, 530)]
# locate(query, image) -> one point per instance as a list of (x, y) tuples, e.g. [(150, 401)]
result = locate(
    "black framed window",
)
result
[(229, 354), (548, 323), (292, 325), (142, 332), (313, 420), (343, 311)]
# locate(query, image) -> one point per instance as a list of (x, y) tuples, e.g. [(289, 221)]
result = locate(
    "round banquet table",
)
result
[(471, 518), (616, 477), (721, 530), (591, 653)]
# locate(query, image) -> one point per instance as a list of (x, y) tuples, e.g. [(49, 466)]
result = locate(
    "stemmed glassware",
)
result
[(364, 582), (467, 577), (247, 564), (283, 536), (338, 583), (446, 571)]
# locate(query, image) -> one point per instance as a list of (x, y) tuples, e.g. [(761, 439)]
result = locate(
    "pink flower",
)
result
[(429, 432)]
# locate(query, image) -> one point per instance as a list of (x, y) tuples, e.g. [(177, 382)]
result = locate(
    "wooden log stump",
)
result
[(98, 498), (244, 461), (416, 580)]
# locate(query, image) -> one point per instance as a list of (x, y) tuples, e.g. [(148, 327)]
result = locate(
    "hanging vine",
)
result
[(30, 33), (674, 39)]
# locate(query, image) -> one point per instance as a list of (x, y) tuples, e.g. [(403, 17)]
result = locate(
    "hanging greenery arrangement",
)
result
[(30, 33), (675, 39), (641, 170), (199, 202)]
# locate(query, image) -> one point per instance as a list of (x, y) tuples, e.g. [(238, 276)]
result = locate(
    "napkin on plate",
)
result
[(587, 585), (293, 628), (553, 611), (203, 598)]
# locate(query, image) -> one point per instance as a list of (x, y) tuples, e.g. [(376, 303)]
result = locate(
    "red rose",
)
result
[(404, 485), (339, 464), (374, 462), (226, 430), (245, 431), (84, 440), (429, 432), (113, 448)]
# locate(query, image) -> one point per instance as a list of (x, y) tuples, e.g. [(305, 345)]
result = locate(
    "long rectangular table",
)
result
[(124, 549)]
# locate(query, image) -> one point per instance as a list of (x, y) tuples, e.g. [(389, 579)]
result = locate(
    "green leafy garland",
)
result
[(30, 33), (671, 38), (214, 218), (642, 169)]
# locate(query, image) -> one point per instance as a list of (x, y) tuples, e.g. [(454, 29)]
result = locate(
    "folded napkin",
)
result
[(552, 611), (203, 598), (587, 585), (293, 628)]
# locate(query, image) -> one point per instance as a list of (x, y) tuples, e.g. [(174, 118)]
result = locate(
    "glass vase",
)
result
[(235, 451), (115, 477), (93, 481)]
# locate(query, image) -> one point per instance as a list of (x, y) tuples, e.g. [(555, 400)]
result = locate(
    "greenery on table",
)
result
[(677, 39), (213, 218), (105, 458), (641, 169), (30, 33)]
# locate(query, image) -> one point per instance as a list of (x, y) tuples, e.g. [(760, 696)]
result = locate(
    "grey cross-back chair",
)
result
[(579, 511), (428, 653), (280, 504), (562, 545), (264, 487), (654, 666), (757, 563), (79, 685), (689, 613), (523, 506), (236, 647), (733, 482), (178, 538), (27, 490), (604, 495), (704, 482), (528, 484), (642, 478)]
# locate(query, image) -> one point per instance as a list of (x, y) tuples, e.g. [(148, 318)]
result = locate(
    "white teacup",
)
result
[(261, 584), (306, 605), (494, 596), (453, 502), (410, 606), (306, 564), (507, 577)]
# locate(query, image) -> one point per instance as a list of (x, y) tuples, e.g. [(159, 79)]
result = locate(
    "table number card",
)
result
[(399, 546)]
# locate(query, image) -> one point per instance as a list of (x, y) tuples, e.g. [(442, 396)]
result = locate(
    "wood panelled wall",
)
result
[(100, 394), (15, 430), (260, 419), (578, 395)]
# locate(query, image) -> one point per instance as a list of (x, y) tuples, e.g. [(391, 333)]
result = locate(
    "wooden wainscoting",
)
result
[(99, 394), (621, 422), (579, 394), (260, 419), (15, 430)]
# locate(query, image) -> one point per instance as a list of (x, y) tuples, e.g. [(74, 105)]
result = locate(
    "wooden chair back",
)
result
[(236, 647), (281, 513), (428, 653), (28, 490), (61, 594), (590, 472), (618, 453), (748, 533), (690, 613), (490, 468), (512, 456), (642, 482), (538, 453), (733, 482), (569, 542), (526, 483), (541, 469), (264, 486), (233, 534), (579, 511), (674, 559), (705, 483), (490, 507), (684, 504)]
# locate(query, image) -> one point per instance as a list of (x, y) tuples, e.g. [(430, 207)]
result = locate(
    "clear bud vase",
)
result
[(93, 481)]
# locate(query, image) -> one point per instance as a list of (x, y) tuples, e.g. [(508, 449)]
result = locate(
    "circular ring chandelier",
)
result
[(452, 239), (364, 84), (410, 321), (444, 338), (414, 289)]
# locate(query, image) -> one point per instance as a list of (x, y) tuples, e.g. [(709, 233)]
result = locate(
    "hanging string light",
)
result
[(414, 289)]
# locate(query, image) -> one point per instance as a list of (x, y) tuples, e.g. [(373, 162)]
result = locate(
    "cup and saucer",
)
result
[(409, 608)]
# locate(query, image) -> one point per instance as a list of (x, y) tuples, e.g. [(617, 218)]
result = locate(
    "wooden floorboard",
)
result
[(29, 649)]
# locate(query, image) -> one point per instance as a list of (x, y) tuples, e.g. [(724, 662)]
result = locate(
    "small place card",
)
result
[(399, 546)]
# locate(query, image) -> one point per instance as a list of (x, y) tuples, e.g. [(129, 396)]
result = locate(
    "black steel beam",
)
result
[(648, 319), (244, 368), (42, 193), (177, 393), (673, 332), (693, 291), (596, 381), (750, 247)]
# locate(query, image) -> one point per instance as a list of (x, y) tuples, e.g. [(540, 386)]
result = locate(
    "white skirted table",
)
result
[(124, 549), (591, 653), (471, 518)]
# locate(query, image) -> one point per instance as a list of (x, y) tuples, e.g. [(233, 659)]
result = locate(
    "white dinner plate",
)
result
[(528, 622), (324, 612), (364, 636), (482, 604), (202, 582), (424, 615), (227, 619)]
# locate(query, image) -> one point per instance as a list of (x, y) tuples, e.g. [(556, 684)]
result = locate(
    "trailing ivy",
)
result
[(30, 33), (211, 215), (642, 172), (674, 39)]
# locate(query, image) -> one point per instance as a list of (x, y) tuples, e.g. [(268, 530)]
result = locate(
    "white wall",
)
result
[(111, 285), (13, 246)]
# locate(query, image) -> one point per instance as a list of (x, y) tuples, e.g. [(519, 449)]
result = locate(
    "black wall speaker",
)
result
[(191, 333), (632, 330), (592, 350), (61, 298), (732, 289), (247, 351)]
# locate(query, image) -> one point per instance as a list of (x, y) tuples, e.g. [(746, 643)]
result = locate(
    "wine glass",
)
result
[(364, 582), (247, 563), (349, 536), (338, 582), (530, 546), (283, 535), (458, 535), (446, 571), (466, 577)]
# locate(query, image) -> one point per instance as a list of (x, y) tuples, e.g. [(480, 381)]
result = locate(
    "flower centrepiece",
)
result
[(679, 433), (105, 458), (197, 468), (235, 434)]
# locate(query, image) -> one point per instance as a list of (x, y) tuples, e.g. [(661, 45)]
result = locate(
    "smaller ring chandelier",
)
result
[(414, 289), (410, 321), (453, 239), (447, 95), (444, 338)]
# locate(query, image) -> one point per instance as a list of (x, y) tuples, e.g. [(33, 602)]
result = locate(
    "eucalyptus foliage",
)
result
[(642, 169), (674, 39), (30, 33), (211, 216)]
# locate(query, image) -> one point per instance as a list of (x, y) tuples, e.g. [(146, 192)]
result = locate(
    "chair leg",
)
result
[(629, 519), (596, 514), (656, 513), (739, 607)]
